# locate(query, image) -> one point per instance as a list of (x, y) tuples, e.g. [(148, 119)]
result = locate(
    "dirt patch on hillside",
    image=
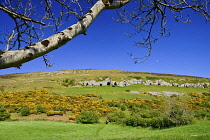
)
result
[(63, 118)]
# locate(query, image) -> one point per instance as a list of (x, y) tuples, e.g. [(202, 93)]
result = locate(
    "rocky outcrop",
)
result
[(161, 82), (106, 82), (195, 85), (166, 93)]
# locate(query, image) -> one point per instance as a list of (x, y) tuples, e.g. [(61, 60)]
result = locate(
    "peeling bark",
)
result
[(16, 58)]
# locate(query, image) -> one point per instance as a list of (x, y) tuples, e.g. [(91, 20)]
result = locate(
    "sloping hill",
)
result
[(132, 101), (53, 80)]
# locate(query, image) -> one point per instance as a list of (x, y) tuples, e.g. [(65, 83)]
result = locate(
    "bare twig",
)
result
[(18, 15), (148, 15)]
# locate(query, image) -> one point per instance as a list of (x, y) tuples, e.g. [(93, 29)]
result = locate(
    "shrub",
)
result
[(173, 114), (149, 113), (87, 117), (4, 115), (144, 106), (40, 109), (206, 94), (157, 122), (123, 107), (117, 117), (25, 111), (135, 109), (144, 122), (201, 114), (68, 82), (138, 121), (132, 121), (176, 114), (26, 95), (58, 108), (14, 109), (112, 104)]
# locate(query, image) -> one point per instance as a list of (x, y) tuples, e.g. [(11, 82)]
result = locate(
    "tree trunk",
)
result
[(16, 58)]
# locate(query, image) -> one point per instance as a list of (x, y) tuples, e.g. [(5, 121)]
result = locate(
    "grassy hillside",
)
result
[(45, 130), (109, 102), (52, 81)]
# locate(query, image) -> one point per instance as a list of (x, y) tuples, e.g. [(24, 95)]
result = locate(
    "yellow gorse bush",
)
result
[(13, 100), (55, 104), (199, 103)]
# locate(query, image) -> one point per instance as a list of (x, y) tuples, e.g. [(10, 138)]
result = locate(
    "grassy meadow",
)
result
[(49, 130), (55, 130)]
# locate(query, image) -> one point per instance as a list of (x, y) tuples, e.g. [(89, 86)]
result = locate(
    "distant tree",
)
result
[(30, 19)]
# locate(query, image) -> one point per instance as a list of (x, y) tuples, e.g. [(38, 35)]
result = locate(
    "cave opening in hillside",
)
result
[(115, 83)]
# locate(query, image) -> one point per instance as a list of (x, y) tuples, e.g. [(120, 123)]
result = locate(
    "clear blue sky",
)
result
[(185, 52)]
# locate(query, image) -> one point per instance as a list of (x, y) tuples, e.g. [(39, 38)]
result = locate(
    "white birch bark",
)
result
[(16, 58)]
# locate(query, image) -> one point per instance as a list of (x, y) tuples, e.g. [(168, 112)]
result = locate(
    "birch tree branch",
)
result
[(15, 58)]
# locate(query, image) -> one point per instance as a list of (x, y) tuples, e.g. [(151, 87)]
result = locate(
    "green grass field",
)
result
[(49, 130)]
